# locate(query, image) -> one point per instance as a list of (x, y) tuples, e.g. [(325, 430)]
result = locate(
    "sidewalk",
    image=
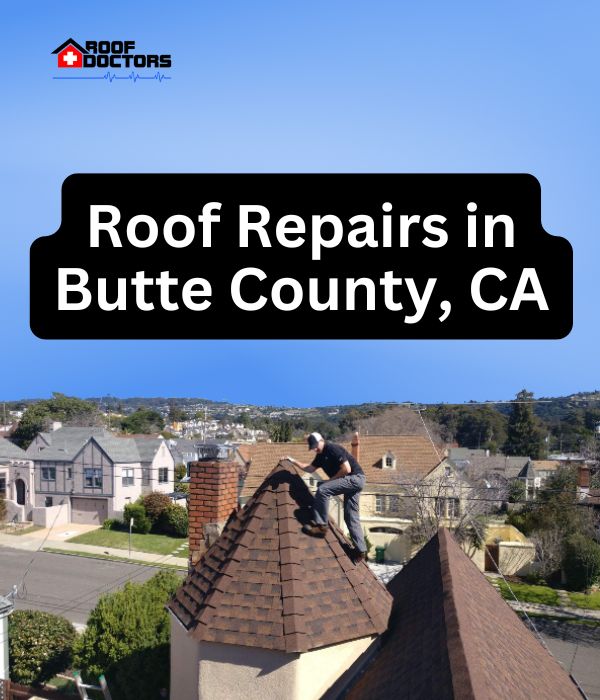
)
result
[(55, 539)]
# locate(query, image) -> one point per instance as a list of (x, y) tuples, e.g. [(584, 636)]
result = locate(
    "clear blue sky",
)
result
[(300, 87)]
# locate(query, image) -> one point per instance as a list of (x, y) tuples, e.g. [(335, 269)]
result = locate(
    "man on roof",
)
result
[(346, 478)]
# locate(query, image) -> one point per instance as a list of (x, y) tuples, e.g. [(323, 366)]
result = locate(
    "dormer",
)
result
[(388, 461)]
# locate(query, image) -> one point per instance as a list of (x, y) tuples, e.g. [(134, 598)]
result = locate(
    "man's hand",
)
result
[(344, 470)]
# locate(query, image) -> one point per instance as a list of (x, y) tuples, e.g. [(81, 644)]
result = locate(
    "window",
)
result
[(2, 485), (49, 473), (453, 507), (48, 502), (447, 507), (146, 476), (387, 504), (163, 475), (69, 472), (92, 478), (389, 461), (128, 476)]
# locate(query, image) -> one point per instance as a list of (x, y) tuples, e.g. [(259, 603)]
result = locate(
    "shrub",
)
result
[(112, 524), (141, 522), (127, 639), (174, 521), (180, 471), (155, 504), (2, 509), (581, 562), (39, 645)]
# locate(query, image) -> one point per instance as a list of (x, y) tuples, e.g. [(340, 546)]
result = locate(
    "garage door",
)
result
[(89, 511)]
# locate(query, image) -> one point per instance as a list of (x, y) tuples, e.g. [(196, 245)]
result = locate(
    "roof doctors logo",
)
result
[(110, 56)]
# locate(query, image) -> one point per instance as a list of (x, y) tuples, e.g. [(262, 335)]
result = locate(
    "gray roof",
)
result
[(64, 443), (147, 447), (119, 449), (8, 450), (477, 466), (528, 472), (183, 451)]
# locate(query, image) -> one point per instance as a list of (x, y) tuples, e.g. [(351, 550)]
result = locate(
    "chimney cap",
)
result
[(213, 451)]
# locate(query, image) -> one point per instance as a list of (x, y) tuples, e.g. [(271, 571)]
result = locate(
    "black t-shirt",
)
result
[(332, 458)]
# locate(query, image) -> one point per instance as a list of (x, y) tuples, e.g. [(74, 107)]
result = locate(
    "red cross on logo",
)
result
[(70, 57)]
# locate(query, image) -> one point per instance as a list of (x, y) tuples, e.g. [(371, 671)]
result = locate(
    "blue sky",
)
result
[(305, 87)]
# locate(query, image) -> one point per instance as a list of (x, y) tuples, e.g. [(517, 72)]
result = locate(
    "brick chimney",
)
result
[(355, 444), (213, 496), (583, 481)]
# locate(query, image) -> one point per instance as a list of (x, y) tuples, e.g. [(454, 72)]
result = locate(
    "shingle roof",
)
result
[(8, 450), (415, 457), (147, 447), (528, 472), (452, 637), (266, 584), (64, 443), (120, 450)]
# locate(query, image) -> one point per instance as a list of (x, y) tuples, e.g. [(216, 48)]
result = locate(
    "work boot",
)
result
[(314, 530), (356, 555)]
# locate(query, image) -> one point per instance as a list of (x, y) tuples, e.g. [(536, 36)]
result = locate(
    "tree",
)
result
[(40, 645), (155, 504), (281, 432), (581, 562), (127, 639), (523, 434), (144, 420), (69, 410)]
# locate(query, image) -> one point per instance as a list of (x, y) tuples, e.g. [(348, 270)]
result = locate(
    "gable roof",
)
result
[(266, 584), (528, 472), (64, 443), (452, 637), (8, 450), (147, 447), (71, 42), (415, 458)]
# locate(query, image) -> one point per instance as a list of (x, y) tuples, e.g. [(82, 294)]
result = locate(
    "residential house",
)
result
[(268, 612), (96, 474), (16, 480), (396, 467)]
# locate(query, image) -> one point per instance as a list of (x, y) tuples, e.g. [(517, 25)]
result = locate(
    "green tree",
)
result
[(524, 437), (40, 645), (144, 420), (581, 562), (155, 504), (69, 410), (127, 639)]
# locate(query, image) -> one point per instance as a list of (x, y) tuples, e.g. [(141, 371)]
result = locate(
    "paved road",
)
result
[(64, 585)]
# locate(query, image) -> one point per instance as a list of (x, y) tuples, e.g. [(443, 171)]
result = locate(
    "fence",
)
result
[(9, 690)]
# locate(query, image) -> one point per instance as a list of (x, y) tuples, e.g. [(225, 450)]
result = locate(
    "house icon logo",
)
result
[(70, 54)]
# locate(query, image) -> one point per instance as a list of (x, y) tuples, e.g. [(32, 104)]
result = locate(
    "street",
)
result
[(64, 585)]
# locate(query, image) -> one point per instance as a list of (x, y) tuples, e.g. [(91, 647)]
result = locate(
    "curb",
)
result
[(109, 557)]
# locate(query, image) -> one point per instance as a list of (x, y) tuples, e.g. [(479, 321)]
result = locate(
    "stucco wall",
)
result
[(319, 669), (52, 516), (124, 494), (209, 671)]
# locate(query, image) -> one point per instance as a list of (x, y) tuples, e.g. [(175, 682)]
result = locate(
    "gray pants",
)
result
[(350, 487)]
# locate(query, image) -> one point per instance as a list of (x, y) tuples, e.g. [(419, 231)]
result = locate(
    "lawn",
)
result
[(155, 544), (590, 602), (530, 594)]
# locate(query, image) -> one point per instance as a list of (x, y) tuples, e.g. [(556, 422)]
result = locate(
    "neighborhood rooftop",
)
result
[(265, 584), (451, 637), (414, 454)]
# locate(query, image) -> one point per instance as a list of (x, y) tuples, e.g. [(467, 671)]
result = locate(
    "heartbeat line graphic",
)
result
[(133, 76)]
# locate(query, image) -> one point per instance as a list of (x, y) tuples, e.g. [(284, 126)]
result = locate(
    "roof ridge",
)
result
[(462, 682)]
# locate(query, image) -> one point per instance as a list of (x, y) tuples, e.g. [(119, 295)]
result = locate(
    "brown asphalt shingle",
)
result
[(266, 584), (452, 637), (415, 457)]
